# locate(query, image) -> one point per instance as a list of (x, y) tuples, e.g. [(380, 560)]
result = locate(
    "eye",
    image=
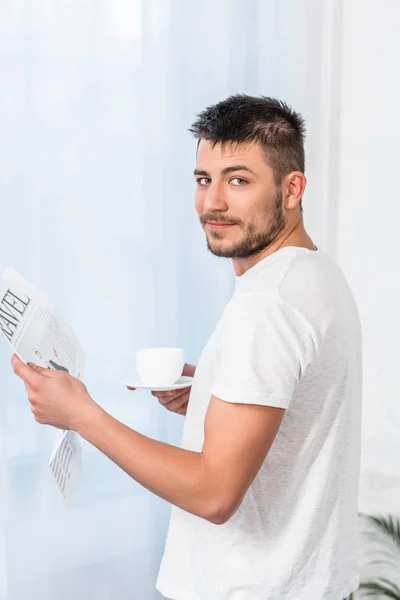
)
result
[(203, 180), (239, 181)]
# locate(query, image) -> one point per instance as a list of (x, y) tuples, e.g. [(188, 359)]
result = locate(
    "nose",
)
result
[(215, 198)]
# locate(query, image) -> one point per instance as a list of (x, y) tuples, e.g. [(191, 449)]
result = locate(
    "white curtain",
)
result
[(96, 192)]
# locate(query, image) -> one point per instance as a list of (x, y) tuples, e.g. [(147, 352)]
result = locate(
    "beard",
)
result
[(256, 238)]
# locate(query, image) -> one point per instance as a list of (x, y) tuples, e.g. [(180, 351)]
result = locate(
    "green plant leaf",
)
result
[(388, 526), (386, 558), (381, 586)]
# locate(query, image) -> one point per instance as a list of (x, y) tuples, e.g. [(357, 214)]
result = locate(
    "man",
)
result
[(265, 484)]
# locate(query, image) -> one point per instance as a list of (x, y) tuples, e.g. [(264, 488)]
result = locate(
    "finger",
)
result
[(175, 406), (23, 371), (164, 394), (177, 394), (188, 370), (171, 394), (163, 401), (129, 388), (176, 400)]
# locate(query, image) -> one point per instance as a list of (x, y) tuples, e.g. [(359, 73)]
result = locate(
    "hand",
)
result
[(56, 398), (176, 400)]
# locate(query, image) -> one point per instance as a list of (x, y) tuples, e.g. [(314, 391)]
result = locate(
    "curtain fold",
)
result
[(97, 205)]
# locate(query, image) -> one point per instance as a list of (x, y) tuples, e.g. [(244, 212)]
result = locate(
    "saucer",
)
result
[(135, 382)]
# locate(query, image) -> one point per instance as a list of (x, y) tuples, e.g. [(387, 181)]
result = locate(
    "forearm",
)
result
[(177, 475)]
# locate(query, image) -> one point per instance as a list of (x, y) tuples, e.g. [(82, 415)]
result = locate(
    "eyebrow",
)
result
[(225, 171)]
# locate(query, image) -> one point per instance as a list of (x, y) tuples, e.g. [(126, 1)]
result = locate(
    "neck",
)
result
[(293, 235)]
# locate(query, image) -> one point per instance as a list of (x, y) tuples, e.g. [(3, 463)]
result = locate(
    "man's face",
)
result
[(237, 200)]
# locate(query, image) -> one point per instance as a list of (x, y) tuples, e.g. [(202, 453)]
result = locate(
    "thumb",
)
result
[(36, 368)]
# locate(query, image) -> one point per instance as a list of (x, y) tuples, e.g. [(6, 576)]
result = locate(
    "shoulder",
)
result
[(263, 312), (300, 290), (313, 285)]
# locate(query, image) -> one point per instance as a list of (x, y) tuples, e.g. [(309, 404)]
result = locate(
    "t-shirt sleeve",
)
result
[(264, 347)]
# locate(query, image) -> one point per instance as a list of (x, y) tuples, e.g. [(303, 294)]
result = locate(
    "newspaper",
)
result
[(39, 334)]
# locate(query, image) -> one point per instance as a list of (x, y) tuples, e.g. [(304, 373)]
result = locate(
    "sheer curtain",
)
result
[(97, 211)]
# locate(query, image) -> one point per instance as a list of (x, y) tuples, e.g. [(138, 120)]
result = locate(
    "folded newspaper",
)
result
[(38, 333)]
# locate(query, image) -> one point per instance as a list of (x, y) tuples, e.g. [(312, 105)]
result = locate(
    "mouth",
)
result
[(217, 226)]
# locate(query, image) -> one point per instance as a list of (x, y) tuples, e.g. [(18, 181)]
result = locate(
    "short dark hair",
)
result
[(240, 118)]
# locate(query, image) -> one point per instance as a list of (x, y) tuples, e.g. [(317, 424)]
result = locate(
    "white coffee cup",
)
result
[(159, 366)]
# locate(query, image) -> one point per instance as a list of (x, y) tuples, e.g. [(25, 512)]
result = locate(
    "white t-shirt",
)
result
[(289, 337)]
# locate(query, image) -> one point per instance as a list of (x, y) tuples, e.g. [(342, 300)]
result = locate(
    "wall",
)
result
[(368, 228)]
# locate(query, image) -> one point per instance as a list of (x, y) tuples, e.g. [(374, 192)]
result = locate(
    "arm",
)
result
[(176, 475), (263, 354), (210, 484)]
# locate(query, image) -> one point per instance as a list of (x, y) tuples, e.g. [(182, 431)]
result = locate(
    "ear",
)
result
[(293, 187)]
